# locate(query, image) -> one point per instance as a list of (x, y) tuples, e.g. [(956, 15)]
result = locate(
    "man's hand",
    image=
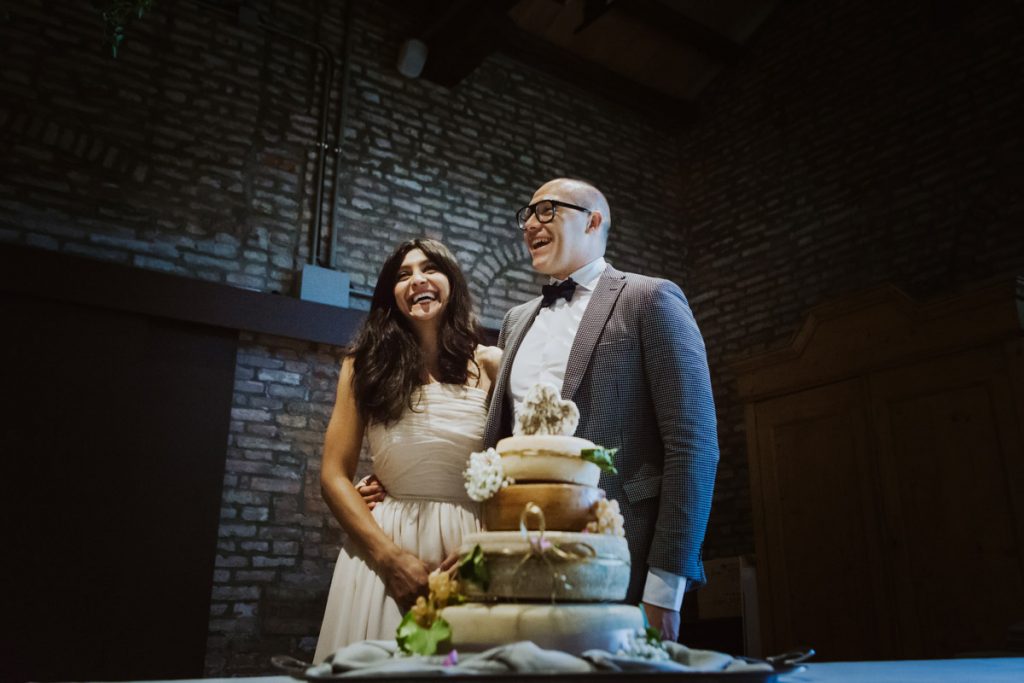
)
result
[(372, 491), (665, 620), (405, 577)]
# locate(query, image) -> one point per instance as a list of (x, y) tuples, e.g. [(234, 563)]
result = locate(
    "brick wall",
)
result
[(194, 152), (855, 146), (278, 542)]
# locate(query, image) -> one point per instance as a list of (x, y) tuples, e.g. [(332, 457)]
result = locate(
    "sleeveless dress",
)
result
[(420, 460)]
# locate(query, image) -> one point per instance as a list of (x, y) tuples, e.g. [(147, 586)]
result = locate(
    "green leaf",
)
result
[(653, 635), (473, 567), (416, 639), (602, 457)]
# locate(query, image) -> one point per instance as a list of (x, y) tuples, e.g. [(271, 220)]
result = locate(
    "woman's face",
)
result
[(421, 289)]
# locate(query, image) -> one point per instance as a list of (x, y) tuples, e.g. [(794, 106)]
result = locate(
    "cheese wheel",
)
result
[(598, 569), (555, 444), (571, 628), (567, 507), (550, 468)]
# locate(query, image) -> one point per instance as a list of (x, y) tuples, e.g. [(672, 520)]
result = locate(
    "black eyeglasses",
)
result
[(544, 210)]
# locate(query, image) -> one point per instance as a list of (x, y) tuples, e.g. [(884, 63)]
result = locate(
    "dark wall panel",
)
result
[(114, 444)]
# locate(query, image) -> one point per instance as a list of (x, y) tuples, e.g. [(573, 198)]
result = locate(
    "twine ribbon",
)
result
[(544, 549)]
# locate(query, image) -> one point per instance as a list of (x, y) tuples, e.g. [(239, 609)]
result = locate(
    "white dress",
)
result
[(420, 460)]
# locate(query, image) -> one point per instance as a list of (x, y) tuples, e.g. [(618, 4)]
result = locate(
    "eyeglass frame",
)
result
[(555, 203)]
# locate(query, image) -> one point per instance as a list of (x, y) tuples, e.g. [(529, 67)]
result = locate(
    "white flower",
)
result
[(642, 647), (609, 519), (485, 476)]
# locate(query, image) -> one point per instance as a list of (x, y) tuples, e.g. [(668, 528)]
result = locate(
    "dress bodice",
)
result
[(424, 453)]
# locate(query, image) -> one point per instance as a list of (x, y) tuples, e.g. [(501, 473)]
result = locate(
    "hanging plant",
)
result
[(117, 15)]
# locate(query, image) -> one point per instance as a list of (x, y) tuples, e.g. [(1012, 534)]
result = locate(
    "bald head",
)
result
[(584, 194), (575, 231)]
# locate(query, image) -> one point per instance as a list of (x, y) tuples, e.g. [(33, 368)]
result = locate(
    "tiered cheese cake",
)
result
[(553, 550), (547, 470)]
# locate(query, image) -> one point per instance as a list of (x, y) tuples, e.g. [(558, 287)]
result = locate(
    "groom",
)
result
[(625, 348)]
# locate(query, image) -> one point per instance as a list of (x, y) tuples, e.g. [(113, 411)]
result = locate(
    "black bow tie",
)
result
[(552, 293)]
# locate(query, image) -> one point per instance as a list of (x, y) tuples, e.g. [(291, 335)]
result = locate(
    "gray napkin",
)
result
[(682, 659), (382, 658)]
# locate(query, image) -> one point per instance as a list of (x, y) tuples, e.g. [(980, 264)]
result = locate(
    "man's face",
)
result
[(564, 244)]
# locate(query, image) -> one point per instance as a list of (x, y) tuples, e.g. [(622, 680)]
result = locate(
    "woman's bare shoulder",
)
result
[(348, 365)]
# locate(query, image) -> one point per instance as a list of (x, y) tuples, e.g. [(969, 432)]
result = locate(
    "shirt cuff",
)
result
[(664, 589)]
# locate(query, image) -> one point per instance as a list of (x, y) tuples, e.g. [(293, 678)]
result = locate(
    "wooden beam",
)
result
[(546, 57), (76, 279), (683, 28), (464, 33)]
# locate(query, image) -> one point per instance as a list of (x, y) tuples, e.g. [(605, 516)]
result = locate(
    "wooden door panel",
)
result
[(116, 442), (819, 525), (948, 446)]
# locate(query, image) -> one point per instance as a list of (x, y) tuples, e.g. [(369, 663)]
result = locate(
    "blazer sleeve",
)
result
[(676, 368), (503, 332), (497, 411)]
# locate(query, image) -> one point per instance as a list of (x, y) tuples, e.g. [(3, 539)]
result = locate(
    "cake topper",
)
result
[(544, 412)]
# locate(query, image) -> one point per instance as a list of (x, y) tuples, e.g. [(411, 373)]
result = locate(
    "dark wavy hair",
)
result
[(388, 363)]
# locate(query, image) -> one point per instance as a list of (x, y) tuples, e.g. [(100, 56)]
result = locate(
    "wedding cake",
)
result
[(553, 556)]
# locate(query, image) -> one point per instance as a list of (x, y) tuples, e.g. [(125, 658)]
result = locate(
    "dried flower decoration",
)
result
[(544, 412), (609, 519)]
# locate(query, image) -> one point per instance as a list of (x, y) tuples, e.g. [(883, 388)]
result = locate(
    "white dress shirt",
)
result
[(542, 357)]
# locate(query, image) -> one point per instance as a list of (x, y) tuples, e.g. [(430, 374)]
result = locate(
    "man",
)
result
[(625, 348)]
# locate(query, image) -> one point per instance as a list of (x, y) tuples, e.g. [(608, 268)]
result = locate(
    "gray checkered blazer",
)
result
[(639, 375)]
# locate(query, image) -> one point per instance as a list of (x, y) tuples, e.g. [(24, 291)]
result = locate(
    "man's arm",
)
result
[(505, 326), (675, 364)]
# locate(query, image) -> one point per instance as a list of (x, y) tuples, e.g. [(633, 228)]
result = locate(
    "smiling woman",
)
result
[(421, 292), (403, 345), (416, 383)]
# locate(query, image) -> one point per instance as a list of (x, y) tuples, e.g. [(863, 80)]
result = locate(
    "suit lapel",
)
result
[(499, 413), (591, 326)]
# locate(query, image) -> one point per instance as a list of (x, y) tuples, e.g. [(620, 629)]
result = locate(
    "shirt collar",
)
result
[(587, 276)]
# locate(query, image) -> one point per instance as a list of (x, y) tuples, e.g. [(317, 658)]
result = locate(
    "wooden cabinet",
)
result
[(887, 476)]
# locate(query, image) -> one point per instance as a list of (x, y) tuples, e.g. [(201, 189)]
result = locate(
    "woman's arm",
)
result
[(404, 574)]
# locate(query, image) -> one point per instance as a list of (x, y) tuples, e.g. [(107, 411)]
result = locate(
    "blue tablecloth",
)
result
[(1000, 670)]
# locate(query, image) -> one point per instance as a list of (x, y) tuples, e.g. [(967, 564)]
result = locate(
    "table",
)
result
[(989, 670)]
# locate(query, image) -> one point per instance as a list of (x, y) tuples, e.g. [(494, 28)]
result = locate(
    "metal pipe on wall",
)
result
[(251, 18), (339, 134)]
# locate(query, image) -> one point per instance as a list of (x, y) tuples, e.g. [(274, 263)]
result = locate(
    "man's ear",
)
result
[(595, 222)]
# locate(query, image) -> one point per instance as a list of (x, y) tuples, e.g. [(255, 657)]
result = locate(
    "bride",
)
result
[(416, 382)]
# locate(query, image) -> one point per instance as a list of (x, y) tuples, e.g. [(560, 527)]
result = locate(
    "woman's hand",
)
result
[(449, 562), (405, 577), (372, 490)]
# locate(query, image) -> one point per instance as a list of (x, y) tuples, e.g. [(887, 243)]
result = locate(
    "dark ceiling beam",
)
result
[(682, 28), (462, 33), (461, 36), (549, 58), (592, 11)]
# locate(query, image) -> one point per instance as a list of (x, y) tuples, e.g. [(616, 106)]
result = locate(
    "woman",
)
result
[(416, 382)]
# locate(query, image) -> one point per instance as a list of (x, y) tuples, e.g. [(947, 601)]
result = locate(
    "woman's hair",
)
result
[(388, 363)]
